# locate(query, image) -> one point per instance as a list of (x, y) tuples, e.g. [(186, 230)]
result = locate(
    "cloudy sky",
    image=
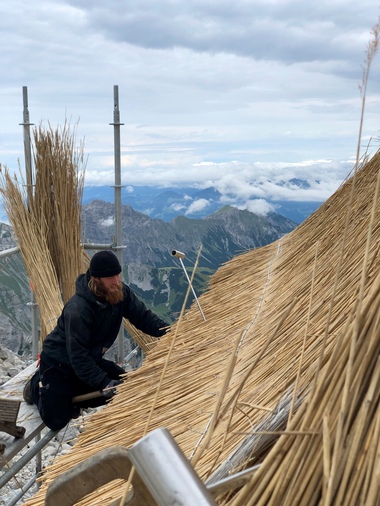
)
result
[(240, 95)]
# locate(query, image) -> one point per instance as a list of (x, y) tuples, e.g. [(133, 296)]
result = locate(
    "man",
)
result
[(71, 361)]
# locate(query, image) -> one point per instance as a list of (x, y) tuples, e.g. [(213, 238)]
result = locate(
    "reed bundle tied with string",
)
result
[(46, 219), (59, 178), (34, 251), (294, 323)]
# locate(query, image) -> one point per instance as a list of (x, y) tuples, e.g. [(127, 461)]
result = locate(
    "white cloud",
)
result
[(242, 95), (177, 207), (197, 205), (259, 206), (108, 222)]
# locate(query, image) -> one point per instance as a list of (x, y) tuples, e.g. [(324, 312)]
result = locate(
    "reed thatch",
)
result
[(294, 324), (34, 250), (59, 169), (47, 219)]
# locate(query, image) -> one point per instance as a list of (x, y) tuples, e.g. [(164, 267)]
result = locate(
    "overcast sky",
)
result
[(240, 95)]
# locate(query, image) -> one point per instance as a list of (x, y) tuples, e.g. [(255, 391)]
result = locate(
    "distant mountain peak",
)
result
[(167, 203)]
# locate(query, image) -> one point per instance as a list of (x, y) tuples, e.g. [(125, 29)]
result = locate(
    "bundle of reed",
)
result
[(46, 220), (34, 250), (279, 318), (59, 169)]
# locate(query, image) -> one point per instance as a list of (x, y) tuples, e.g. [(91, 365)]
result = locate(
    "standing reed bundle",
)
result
[(31, 239), (46, 221), (57, 199), (299, 315)]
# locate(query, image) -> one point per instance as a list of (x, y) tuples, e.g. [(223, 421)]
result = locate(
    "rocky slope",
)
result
[(10, 364), (223, 234)]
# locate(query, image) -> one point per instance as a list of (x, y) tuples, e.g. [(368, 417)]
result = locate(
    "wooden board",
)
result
[(14, 387), (28, 416), (9, 409)]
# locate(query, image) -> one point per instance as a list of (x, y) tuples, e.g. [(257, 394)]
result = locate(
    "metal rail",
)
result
[(22, 461)]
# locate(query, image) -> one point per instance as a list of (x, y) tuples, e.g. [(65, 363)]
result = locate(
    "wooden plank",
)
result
[(30, 419), (9, 409), (28, 416), (14, 387)]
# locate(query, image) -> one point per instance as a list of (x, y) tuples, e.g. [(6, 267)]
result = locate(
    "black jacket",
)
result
[(87, 325)]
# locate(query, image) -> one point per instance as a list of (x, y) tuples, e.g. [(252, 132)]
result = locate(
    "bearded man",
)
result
[(71, 361)]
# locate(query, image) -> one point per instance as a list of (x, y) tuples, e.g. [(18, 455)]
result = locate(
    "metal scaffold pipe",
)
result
[(29, 182), (118, 225)]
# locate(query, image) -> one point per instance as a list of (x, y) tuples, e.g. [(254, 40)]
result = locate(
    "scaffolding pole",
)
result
[(29, 188), (118, 225)]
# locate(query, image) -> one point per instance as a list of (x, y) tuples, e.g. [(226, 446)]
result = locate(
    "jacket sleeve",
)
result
[(142, 317), (79, 349)]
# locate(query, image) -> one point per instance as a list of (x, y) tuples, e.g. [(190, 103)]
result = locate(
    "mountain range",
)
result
[(167, 203), (149, 266)]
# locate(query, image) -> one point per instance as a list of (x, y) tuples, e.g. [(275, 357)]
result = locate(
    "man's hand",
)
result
[(110, 390)]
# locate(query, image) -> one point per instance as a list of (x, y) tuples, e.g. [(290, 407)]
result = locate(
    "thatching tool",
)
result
[(90, 395), (86, 397), (9, 409), (180, 256)]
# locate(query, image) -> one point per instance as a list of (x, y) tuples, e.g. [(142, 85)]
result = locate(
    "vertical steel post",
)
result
[(29, 189), (29, 182), (118, 225)]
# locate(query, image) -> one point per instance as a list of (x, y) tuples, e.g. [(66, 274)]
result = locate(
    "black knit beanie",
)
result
[(104, 264)]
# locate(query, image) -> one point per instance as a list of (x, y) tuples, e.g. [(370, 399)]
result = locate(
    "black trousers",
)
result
[(52, 390)]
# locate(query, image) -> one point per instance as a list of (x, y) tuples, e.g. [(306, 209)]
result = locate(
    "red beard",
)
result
[(112, 295)]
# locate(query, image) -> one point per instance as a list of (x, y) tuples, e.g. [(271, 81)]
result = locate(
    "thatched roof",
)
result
[(294, 324)]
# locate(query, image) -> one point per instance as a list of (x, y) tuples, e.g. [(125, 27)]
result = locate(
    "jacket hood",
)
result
[(82, 289)]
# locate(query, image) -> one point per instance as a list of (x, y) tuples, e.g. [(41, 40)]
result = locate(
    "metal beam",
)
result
[(118, 225), (29, 182)]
